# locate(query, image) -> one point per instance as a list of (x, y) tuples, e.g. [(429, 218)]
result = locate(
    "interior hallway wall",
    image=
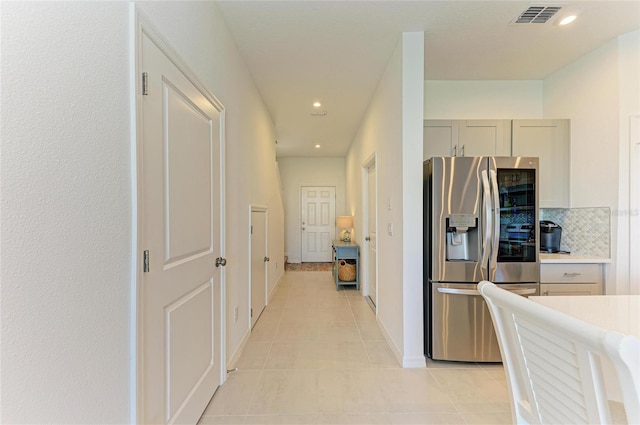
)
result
[(68, 197), (298, 172)]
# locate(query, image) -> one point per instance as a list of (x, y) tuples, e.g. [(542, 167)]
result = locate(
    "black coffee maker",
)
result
[(550, 234)]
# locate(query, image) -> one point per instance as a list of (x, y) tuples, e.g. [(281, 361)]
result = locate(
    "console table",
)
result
[(346, 251)]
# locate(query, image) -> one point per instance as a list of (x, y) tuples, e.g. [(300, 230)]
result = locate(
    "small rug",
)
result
[(308, 267)]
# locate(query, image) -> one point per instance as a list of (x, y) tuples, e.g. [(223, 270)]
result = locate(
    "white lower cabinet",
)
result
[(571, 279)]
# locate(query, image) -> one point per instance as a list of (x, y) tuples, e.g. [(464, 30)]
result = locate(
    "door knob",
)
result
[(221, 262)]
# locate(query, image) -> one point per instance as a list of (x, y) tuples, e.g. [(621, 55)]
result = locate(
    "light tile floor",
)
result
[(317, 356)]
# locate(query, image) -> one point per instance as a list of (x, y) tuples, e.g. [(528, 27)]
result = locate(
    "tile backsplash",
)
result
[(585, 231)]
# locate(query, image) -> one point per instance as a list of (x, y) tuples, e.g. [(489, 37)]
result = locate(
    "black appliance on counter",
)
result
[(550, 235)]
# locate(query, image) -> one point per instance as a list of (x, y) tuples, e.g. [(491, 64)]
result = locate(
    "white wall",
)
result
[(628, 276), (298, 172), (66, 213), (67, 197), (598, 93), (392, 129), (482, 99)]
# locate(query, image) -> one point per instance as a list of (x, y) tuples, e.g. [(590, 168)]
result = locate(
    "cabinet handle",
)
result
[(574, 274), (455, 150), (367, 238), (545, 293), (462, 151)]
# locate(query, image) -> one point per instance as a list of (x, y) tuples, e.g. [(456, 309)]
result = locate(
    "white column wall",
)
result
[(394, 139)]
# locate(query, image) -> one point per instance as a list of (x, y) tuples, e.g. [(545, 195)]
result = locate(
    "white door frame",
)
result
[(140, 25), (364, 252), (258, 208), (634, 204)]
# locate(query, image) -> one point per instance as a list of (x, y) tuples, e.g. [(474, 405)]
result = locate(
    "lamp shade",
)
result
[(345, 222)]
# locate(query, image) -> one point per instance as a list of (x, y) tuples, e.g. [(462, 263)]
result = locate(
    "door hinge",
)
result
[(145, 262), (145, 83)]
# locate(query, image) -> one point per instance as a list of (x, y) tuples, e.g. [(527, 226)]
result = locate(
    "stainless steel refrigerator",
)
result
[(481, 223)]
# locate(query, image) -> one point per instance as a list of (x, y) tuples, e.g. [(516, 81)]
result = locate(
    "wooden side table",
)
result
[(346, 251)]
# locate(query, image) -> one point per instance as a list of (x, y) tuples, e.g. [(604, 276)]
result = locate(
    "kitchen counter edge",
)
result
[(571, 259)]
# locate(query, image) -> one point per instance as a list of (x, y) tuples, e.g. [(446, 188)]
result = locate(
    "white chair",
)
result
[(553, 363)]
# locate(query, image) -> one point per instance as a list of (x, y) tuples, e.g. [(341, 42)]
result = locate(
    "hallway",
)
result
[(317, 356)]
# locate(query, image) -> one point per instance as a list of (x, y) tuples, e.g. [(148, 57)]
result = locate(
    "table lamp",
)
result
[(345, 222)]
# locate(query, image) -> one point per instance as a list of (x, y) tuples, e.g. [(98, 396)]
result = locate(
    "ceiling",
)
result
[(336, 51)]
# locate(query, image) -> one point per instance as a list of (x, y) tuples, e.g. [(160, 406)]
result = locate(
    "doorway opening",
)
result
[(370, 229)]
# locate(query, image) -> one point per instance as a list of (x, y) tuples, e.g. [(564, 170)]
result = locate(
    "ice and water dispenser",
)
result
[(462, 237)]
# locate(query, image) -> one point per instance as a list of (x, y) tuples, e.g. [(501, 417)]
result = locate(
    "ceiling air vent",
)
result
[(537, 14)]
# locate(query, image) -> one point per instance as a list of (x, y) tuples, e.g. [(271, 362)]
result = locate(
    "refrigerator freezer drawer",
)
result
[(461, 326)]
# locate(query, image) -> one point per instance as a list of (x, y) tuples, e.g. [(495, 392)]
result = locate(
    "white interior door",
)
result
[(258, 264), (372, 197), (180, 319), (318, 222)]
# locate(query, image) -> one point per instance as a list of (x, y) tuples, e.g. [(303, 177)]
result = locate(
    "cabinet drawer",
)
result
[(570, 273), (551, 289)]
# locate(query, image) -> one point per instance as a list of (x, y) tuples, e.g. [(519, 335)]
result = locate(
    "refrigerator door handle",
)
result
[(488, 221), (493, 263), (455, 291)]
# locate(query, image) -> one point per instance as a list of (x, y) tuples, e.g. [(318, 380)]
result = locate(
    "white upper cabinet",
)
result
[(467, 138), (484, 137), (440, 138), (548, 140)]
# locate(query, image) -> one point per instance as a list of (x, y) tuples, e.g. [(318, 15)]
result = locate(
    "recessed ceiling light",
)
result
[(568, 19), (317, 104), (317, 146)]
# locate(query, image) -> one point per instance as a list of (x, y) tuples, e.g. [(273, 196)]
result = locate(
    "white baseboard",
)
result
[(233, 360), (405, 361)]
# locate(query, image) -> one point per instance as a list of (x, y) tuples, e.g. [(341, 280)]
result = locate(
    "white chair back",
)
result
[(554, 362)]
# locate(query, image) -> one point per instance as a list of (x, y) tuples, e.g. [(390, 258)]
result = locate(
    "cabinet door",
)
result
[(484, 138), (548, 140), (552, 289), (439, 138)]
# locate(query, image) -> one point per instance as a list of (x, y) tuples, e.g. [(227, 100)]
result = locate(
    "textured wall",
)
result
[(66, 208)]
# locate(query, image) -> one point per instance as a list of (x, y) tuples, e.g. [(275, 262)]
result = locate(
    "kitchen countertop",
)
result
[(571, 259)]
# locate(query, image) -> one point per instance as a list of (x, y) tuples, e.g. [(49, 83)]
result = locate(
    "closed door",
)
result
[(318, 220), (180, 221), (373, 233), (258, 264)]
